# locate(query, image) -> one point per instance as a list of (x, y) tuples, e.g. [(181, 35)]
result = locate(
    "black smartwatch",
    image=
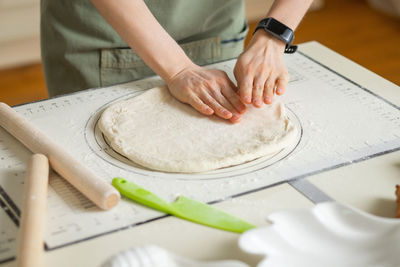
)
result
[(279, 31)]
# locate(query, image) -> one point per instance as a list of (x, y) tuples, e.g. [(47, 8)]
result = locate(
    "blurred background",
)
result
[(365, 31)]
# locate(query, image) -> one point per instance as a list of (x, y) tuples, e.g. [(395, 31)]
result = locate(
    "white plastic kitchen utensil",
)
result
[(329, 235)]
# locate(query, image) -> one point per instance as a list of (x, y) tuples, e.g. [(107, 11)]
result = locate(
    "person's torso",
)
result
[(81, 50), (184, 20)]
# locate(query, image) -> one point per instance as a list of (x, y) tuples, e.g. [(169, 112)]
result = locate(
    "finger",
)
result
[(223, 101), (199, 105), (219, 110), (245, 87), (258, 89), (280, 87), (233, 98), (235, 118), (269, 88), (281, 83)]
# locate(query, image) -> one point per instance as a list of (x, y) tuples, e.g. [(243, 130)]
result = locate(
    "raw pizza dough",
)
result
[(157, 131)]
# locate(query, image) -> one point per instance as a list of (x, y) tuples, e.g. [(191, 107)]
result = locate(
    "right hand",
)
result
[(260, 70), (209, 91)]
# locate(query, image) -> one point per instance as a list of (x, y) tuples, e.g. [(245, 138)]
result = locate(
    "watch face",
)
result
[(279, 30), (277, 27)]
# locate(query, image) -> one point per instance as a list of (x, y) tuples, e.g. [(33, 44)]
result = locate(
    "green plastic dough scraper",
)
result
[(183, 207)]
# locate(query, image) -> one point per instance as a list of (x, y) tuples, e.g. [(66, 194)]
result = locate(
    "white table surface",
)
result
[(368, 185)]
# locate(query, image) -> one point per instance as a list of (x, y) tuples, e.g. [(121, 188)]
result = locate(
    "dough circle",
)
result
[(158, 132)]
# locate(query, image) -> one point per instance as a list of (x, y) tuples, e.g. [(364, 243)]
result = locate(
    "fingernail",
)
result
[(247, 99), (235, 118), (227, 113), (258, 103), (268, 100), (279, 91)]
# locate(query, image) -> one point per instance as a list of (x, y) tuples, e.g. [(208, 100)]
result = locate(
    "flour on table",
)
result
[(158, 132)]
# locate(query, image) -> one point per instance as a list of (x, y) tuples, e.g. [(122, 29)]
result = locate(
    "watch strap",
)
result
[(290, 49)]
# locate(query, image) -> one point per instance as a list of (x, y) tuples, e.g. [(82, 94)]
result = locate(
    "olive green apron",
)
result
[(80, 49)]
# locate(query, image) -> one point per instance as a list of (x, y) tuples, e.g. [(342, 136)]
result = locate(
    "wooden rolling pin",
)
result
[(93, 187), (33, 214)]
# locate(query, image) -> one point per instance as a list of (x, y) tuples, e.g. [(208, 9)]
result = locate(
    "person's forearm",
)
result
[(289, 12), (137, 26)]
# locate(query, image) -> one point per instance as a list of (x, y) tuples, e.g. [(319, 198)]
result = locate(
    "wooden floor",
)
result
[(350, 27)]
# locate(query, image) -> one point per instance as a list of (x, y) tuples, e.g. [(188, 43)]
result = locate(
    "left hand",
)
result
[(260, 71), (209, 91)]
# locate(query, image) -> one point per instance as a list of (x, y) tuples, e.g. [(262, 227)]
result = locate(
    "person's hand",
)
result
[(260, 71), (209, 91)]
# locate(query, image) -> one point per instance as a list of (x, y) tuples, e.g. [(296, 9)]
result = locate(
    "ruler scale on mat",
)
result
[(318, 100)]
